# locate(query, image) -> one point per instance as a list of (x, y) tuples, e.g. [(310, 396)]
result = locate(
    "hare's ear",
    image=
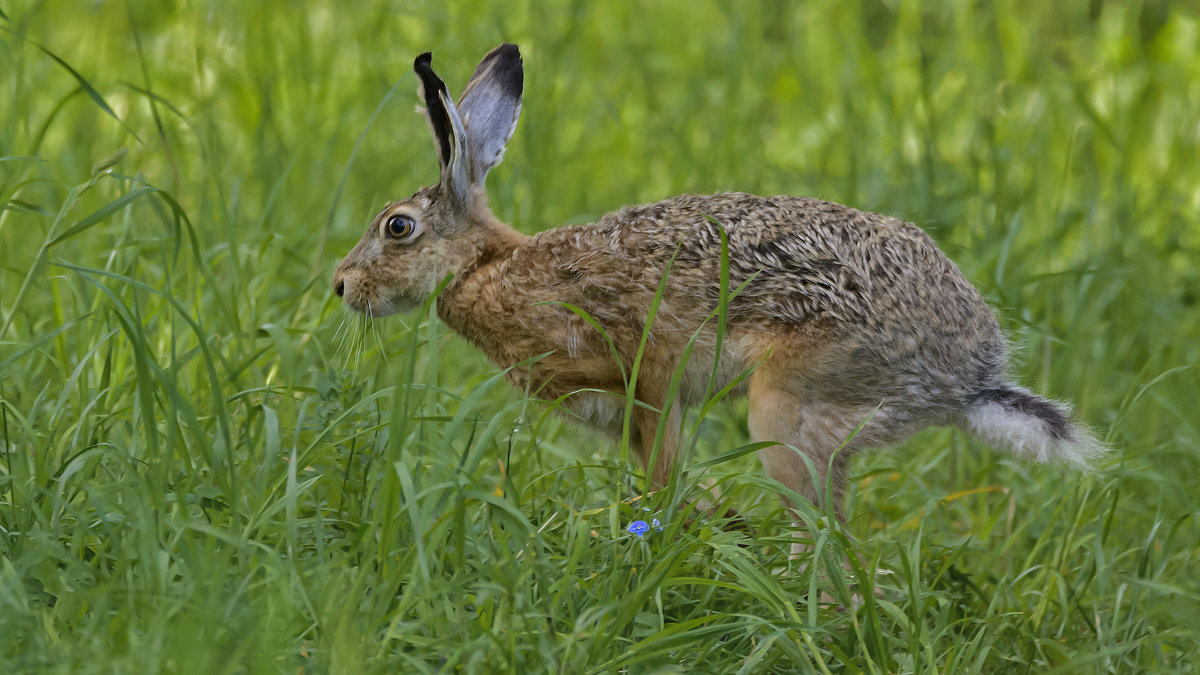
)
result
[(490, 105), (447, 130)]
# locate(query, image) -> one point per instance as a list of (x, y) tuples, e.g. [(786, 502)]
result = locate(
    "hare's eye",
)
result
[(399, 226)]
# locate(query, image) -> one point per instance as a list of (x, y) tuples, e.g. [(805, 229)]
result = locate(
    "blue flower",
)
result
[(655, 523), (638, 527)]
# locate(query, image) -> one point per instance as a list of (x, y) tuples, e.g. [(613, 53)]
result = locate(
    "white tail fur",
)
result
[(1028, 425)]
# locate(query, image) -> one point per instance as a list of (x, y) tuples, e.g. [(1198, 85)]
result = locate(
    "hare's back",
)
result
[(803, 258), (877, 284)]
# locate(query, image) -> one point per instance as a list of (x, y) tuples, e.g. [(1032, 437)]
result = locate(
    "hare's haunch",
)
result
[(844, 317)]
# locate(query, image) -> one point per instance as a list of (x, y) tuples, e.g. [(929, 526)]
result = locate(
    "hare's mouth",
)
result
[(380, 306), (397, 304)]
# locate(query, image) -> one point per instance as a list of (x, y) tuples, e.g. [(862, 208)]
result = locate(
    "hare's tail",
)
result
[(1026, 424)]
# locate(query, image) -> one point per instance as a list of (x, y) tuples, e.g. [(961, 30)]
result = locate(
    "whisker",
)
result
[(361, 342), (339, 339), (379, 341), (347, 347), (352, 342), (366, 340)]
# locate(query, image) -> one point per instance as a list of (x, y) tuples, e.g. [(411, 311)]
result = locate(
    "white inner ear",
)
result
[(455, 175)]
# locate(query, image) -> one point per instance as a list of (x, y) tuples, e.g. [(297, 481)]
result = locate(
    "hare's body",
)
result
[(843, 312), (846, 318)]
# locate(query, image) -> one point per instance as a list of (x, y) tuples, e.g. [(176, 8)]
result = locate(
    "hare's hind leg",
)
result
[(780, 413)]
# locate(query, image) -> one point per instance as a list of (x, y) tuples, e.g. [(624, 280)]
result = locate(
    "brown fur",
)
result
[(848, 317)]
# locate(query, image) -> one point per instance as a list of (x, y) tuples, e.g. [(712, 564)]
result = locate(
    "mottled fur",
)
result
[(847, 317)]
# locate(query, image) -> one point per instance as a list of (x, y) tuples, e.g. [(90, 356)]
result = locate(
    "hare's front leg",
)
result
[(646, 422), (652, 391)]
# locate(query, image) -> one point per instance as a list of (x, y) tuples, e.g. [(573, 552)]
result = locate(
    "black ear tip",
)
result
[(509, 53), (508, 67), (425, 60)]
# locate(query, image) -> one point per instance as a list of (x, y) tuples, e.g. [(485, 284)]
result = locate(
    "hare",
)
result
[(858, 330)]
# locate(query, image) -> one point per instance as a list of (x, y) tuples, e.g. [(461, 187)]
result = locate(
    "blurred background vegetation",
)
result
[(206, 465)]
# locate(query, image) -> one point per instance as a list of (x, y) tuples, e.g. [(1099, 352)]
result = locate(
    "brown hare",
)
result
[(845, 317)]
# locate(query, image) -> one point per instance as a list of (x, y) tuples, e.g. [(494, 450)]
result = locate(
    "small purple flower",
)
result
[(655, 523), (638, 527)]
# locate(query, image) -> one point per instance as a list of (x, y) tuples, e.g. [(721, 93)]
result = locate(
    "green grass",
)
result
[(206, 465)]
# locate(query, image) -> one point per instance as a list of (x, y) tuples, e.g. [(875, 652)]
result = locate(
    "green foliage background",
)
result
[(208, 466)]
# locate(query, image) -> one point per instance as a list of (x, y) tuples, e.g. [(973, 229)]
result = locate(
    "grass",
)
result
[(208, 466)]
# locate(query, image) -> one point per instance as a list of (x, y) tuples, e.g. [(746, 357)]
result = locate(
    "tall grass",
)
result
[(208, 466)]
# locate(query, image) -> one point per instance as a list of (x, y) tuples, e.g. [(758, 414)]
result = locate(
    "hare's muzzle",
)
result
[(348, 286), (362, 293)]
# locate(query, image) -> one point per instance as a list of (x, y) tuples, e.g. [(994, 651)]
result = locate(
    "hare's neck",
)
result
[(468, 304), (492, 238), (499, 242)]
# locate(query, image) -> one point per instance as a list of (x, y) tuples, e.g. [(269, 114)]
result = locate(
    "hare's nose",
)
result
[(339, 281)]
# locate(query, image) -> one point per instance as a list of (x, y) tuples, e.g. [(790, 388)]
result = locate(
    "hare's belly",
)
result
[(602, 411), (704, 376)]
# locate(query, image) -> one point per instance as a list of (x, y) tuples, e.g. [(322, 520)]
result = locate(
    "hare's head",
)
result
[(413, 244)]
